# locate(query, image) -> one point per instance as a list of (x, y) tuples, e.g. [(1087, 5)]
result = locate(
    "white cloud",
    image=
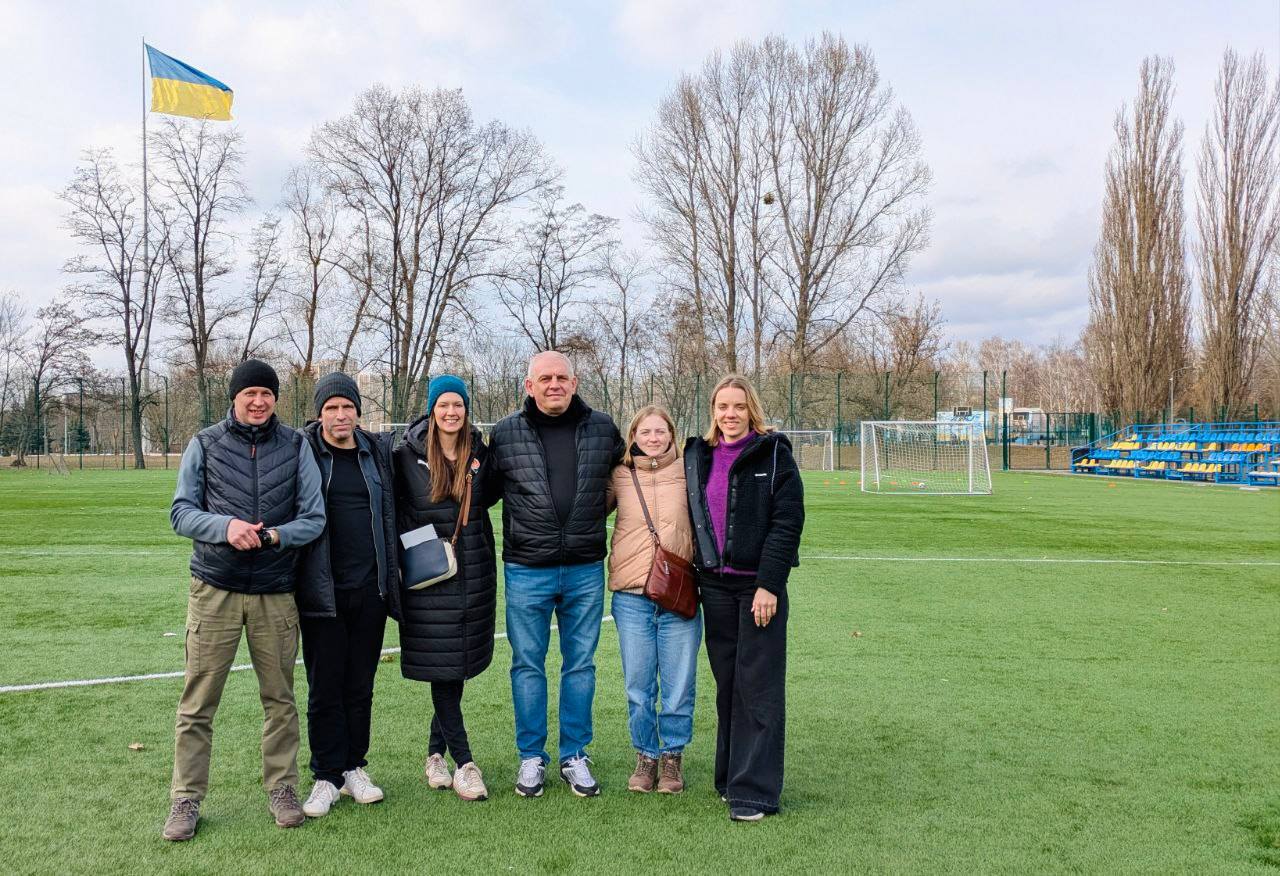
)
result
[(682, 32)]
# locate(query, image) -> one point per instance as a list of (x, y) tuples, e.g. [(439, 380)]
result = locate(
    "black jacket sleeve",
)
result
[(781, 547)]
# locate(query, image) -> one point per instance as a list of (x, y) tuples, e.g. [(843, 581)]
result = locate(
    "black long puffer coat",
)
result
[(446, 630)]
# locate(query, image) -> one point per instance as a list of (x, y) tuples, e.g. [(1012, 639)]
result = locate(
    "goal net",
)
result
[(399, 429), (925, 458), (814, 450)]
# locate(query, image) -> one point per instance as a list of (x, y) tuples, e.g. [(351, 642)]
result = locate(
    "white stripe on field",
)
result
[(1068, 560), (119, 679)]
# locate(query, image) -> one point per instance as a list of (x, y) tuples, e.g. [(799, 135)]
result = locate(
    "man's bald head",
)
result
[(551, 382)]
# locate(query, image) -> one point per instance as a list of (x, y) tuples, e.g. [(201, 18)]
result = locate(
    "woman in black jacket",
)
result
[(446, 629), (746, 502)]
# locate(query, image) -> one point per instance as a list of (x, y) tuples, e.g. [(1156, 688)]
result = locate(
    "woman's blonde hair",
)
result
[(647, 411), (755, 411)]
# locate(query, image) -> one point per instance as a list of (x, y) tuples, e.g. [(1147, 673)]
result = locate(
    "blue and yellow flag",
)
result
[(179, 89)]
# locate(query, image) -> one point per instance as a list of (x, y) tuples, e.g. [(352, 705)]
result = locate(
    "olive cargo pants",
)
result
[(215, 619)]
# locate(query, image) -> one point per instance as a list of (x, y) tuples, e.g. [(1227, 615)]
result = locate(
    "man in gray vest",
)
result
[(248, 496)]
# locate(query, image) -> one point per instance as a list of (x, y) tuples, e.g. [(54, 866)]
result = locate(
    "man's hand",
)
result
[(243, 536), (764, 607)]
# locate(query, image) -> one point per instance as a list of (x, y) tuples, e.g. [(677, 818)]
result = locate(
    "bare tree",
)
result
[(365, 265), (198, 174), (116, 285), (267, 274), (435, 184), (12, 336), (553, 257), (317, 245), (1138, 330), (704, 166), (1238, 217), (55, 353), (620, 326), (848, 181)]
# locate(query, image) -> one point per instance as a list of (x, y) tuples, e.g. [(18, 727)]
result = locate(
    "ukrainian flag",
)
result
[(179, 89)]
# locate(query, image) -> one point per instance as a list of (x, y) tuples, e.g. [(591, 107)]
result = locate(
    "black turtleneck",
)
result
[(559, 435)]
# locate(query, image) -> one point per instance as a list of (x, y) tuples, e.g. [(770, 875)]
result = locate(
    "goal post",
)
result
[(814, 449), (924, 457)]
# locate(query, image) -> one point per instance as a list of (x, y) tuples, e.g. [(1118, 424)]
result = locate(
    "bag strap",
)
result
[(463, 512), (644, 507)]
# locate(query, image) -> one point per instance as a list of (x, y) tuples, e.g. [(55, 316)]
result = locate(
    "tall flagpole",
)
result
[(146, 185)]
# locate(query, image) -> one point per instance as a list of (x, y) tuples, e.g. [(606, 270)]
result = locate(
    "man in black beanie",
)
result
[(348, 585), (248, 497)]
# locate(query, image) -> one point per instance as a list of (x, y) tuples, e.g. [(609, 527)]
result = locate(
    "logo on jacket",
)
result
[(475, 466)]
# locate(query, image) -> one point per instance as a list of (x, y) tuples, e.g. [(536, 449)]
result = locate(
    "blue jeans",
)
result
[(657, 645), (576, 594)]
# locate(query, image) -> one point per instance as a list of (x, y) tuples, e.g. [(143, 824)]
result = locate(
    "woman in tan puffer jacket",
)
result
[(658, 647)]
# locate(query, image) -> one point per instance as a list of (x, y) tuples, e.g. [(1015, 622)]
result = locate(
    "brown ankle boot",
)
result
[(645, 775), (671, 780)]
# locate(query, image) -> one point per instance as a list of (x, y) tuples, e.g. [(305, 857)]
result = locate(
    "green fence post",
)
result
[(886, 394), (1048, 439), (839, 424), (935, 396), (985, 418), (122, 407), (1004, 421), (80, 429), (791, 399)]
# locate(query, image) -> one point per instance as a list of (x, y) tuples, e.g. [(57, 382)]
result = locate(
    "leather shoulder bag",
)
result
[(672, 582), (435, 560)]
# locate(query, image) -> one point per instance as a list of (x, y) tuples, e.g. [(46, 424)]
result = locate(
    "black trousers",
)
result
[(448, 733), (341, 656), (749, 664)]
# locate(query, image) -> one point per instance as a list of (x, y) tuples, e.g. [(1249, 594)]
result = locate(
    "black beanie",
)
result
[(253, 372), (338, 384)]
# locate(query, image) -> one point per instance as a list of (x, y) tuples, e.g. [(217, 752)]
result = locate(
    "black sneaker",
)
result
[(576, 772), (745, 813), (533, 773)]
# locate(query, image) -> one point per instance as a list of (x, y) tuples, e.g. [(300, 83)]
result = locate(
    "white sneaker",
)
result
[(438, 775), (576, 772), (468, 783), (323, 795), (359, 787), (532, 776)]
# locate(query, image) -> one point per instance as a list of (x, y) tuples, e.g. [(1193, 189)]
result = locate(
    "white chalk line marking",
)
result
[(152, 676), (1087, 561)]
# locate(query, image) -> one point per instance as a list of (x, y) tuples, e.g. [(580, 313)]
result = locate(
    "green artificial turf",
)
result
[(987, 716)]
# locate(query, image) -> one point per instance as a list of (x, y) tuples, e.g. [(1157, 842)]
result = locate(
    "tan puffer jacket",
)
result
[(662, 480)]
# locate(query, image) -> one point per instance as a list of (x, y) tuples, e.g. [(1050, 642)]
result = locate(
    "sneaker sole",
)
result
[(377, 799), (179, 839), (592, 793), (523, 793), (476, 799), (671, 790), (759, 816), (291, 824), (639, 790), (436, 786)]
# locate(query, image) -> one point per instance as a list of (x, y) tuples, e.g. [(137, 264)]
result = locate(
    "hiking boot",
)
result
[(284, 805), (438, 775), (359, 787), (323, 795), (468, 783), (532, 776), (576, 772), (181, 823), (745, 813), (645, 775), (671, 780)]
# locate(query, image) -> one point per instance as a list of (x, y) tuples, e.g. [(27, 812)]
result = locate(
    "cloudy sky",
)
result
[(1014, 101)]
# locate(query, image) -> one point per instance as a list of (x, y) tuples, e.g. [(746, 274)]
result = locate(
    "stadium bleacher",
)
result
[(1225, 453)]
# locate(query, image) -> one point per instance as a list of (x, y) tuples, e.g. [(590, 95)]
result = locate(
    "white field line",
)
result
[(152, 676), (1066, 560)]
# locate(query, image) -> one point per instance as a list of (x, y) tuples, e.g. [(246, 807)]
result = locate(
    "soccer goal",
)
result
[(399, 428), (925, 458), (814, 450)]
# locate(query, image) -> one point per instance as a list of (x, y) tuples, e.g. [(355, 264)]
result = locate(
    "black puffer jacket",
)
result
[(446, 630), (765, 515), (251, 473), (315, 571), (531, 531)]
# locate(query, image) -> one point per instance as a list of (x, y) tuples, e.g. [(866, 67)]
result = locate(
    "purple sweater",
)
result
[(723, 455)]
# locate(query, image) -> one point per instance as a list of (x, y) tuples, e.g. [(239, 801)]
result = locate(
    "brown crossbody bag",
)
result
[(672, 582)]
